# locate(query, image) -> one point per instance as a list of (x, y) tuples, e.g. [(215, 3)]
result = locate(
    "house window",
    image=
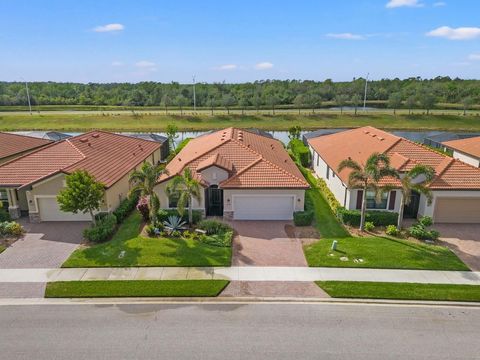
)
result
[(373, 204), (4, 198), (318, 159), (173, 200), (328, 172)]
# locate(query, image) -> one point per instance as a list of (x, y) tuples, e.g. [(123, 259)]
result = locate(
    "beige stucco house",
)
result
[(455, 188), (33, 181), (466, 150), (245, 176)]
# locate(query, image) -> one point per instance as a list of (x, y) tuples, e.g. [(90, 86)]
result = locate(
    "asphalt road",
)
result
[(240, 331)]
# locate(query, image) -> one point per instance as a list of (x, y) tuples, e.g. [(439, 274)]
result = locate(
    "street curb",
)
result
[(231, 301)]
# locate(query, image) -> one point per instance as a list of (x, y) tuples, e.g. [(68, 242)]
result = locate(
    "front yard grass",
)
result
[(134, 288), (400, 291), (128, 248), (382, 252)]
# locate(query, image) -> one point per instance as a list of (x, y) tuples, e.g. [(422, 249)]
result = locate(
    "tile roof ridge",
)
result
[(75, 148), (444, 165), (254, 162)]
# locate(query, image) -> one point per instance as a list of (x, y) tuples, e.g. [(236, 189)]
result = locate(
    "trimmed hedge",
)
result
[(328, 195), (302, 218), (379, 218), (4, 215), (300, 151), (102, 230), (125, 208), (163, 215)]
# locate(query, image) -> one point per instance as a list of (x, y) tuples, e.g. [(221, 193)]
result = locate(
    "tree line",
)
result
[(394, 93)]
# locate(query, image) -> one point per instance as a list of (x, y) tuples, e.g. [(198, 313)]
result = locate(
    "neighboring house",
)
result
[(50, 135), (162, 140), (455, 188), (467, 150), (245, 176), (13, 145), (33, 181), (437, 140)]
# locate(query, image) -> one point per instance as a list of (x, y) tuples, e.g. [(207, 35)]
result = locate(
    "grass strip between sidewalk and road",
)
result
[(135, 288), (400, 291)]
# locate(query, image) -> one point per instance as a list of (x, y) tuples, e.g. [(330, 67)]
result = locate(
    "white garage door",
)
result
[(263, 207), (50, 211), (457, 210)]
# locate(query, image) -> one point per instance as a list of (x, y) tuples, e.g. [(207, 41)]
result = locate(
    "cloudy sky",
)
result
[(237, 40)]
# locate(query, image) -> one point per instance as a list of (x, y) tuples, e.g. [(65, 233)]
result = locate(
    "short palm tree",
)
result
[(368, 176), (423, 172), (188, 189), (144, 181)]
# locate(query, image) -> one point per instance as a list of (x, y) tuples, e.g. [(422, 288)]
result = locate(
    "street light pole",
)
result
[(28, 96), (194, 96), (365, 95)]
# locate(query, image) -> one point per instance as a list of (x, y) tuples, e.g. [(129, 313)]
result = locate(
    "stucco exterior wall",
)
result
[(299, 195), (162, 195), (428, 210), (469, 159), (214, 175)]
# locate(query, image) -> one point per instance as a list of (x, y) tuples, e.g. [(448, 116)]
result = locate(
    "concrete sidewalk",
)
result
[(239, 273)]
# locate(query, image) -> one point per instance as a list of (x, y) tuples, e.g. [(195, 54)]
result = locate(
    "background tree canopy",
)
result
[(268, 93)]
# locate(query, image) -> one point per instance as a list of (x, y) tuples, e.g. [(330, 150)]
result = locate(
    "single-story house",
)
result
[(245, 176), (455, 188), (467, 150), (33, 181)]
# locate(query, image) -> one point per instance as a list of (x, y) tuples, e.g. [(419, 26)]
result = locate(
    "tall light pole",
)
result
[(365, 95), (194, 96), (28, 96)]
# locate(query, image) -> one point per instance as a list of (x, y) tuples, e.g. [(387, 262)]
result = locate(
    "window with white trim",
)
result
[(372, 201)]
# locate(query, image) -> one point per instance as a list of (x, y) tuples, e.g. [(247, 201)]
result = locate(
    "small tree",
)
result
[(299, 102), (82, 194), (314, 101), (367, 177), (181, 101), (243, 102), (394, 102), (467, 103), (410, 103), (212, 103), (341, 101), (172, 135), (427, 101), (188, 188), (166, 102), (294, 132), (356, 101), (228, 101)]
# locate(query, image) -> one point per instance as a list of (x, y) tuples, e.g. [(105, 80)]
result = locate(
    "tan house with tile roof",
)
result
[(33, 181), (456, 186), (467, 150), (245, 176)]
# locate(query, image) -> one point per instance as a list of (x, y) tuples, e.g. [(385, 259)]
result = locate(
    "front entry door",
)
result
[(410, 211), (214, 197)]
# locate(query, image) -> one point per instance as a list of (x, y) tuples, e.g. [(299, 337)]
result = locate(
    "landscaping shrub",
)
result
[(10, 228), (4, 215), (328, 195), (213, 227), (220, 240), (420, 229), (102, 230), (125, 208), (164, 214), (378, 218), (300, 151), (303, 218), (142, 207), (392, 230), (369, 226)]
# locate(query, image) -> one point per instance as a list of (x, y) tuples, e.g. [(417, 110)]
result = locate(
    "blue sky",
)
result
[(237, 40)]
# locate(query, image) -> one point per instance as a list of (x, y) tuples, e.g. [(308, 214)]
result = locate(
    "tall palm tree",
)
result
[(426, 173), (144, 181), (188, 189), (367, 177)]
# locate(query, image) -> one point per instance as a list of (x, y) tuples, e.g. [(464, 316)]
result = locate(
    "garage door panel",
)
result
[(457, 210), (50, 211), (263, 207)]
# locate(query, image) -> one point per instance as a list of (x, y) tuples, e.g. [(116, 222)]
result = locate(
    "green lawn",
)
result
[(155, 121), (134, 288), (382, 252), (127, 248), (400, 291)]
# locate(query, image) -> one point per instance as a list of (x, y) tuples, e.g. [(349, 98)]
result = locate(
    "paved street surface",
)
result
[(239, 331)]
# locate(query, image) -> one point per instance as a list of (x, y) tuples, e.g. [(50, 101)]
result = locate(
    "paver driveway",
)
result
[(266, 243), (45, 245), (464, 240)]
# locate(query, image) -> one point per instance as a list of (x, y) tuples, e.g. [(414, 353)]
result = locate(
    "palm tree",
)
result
[(144, 181), (188, 189), (409, 184), (368, 176)]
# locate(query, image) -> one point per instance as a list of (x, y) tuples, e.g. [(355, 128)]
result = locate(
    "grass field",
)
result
[(134, 288), (400, 291), (383, 253), (128, 248), (127, 121)]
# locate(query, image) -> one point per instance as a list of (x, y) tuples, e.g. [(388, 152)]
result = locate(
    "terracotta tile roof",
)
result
[(359, 144), (470, 146), (255, 160), (108, 157), (11, 144)]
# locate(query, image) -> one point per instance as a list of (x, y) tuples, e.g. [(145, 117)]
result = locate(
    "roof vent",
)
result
[(380, 138), (96, 136), (83, 140), (366, 132)]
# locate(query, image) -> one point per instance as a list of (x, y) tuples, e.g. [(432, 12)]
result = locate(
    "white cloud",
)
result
[(474, 57), (264, 66), (439, 4), (146, 66), (117, 63), (227, 67), (346, 36), (109, 28), (461, 33), (403, 3)]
